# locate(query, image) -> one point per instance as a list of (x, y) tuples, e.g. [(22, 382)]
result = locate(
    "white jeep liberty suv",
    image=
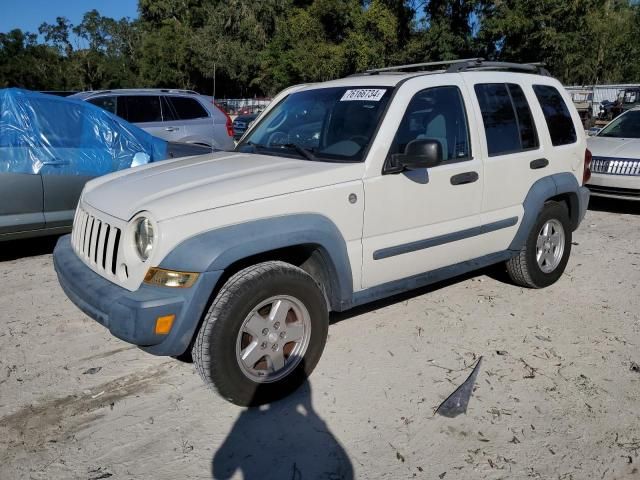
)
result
[(341, 193)]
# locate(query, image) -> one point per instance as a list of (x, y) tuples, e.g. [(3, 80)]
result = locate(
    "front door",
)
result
[(420, 220), (20, 202)]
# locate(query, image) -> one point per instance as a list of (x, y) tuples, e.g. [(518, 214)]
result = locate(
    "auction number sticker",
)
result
[(363, 94)]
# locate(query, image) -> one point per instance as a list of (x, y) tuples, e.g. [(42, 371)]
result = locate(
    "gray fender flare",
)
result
[(219, 248), (539, 193)]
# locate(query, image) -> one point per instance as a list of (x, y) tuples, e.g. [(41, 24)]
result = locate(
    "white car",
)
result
[(616, 158), (341, 193)]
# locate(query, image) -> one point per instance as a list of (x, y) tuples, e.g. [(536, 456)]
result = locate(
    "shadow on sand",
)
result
[(614, 205), (283, 440), (28, 247)]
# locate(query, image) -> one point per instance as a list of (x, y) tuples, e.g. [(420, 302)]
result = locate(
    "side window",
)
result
[(556, 114), (139, 108), (106, 103), (187, 108), (528, 132), (437, 114), (168, 114), (508, 123)]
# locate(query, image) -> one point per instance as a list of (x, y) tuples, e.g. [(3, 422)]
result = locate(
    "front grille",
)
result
[(615, 166), (95, 241)]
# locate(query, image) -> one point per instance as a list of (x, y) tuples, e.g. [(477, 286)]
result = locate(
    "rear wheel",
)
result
[(263, 334), (545, 254)]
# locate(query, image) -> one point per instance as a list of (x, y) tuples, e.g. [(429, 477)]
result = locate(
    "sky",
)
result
[(29, 14)]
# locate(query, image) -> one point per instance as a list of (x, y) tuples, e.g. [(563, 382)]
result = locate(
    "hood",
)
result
[(614, 147), (172, 188)]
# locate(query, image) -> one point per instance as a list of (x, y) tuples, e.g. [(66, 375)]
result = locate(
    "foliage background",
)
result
[(260, 47)]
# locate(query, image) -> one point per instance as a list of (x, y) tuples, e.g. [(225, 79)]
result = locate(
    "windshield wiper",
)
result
[(256, 146), (301, 150)]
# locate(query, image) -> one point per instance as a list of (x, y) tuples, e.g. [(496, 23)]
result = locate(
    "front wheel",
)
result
[(263, 334), (543, 258)]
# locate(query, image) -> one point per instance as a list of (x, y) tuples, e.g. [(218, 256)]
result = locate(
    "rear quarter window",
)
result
[(556, 114)]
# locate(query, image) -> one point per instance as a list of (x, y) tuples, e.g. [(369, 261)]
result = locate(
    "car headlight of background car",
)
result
[(143, 237)]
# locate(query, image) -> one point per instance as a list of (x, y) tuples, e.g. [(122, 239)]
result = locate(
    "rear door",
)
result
[(152, 114), (190, 115), (515, 155)]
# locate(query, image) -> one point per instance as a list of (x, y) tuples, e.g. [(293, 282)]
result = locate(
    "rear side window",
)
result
[(106, 103), (188, 108), (556, 114), (140, 109), (507, 119)]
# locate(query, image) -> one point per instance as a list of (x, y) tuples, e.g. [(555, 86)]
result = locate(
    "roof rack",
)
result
[(462, 65), (481, 64), (413, 66)]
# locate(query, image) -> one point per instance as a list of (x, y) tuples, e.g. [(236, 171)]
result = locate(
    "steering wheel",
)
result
[(277, 138), (361, 140)]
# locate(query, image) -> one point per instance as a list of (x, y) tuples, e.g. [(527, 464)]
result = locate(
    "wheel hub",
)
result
[(273, 339), (550, 245)]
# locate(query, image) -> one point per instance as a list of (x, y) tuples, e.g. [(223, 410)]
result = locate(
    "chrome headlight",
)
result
[(143, 237)]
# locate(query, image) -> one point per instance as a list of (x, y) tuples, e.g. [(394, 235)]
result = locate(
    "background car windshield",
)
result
[(333, 124), (625, 126)]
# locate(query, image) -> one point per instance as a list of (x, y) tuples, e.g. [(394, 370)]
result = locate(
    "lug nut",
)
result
[(274, 347), (283, 334), (263, 345), (265, 331), (276, 325)]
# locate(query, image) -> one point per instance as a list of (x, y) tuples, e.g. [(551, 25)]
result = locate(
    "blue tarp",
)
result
[(68, 137)]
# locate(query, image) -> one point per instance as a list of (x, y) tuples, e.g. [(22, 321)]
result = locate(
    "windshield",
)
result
[(625, 126), (326, 124)]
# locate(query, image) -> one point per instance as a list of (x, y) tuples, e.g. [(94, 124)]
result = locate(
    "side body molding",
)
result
[(219, 248), (539, 193)]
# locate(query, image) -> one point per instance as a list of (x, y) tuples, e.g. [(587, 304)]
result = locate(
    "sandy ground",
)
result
[(557, 393)]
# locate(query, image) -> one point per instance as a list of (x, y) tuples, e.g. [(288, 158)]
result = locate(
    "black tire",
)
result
[(214, 351), (524, 269)]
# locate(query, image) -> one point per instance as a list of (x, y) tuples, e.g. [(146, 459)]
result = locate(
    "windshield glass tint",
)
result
[(329, 124), (625, 126)]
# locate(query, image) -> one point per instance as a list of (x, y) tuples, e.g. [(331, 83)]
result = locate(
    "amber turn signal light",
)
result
[(170, 278), (164, 324)]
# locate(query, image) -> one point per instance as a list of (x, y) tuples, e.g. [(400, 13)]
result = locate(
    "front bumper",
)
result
[(583, 203), (131, 316), (625, 187)]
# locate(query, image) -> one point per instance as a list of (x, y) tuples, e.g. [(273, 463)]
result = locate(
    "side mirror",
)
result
[(140, 158), (421, 153)]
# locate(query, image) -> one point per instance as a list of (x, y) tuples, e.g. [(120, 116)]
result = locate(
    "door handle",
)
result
[(55, 163), (539, 163), (464, 178), (171, 129)]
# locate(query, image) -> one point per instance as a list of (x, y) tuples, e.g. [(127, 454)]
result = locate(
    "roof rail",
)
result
[(462, 65), (481, 64), (176, 90), (412, 66)]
